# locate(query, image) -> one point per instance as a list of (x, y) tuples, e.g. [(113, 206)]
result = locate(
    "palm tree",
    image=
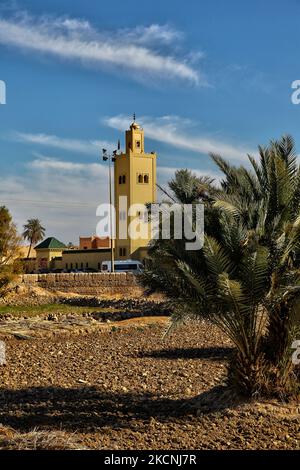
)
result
[(246, 278), (33, 232), (267, 201)]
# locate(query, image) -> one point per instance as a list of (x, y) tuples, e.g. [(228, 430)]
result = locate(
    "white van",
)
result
[(123, 266)]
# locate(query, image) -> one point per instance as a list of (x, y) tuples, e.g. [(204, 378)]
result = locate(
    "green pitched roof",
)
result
[(50, 243)]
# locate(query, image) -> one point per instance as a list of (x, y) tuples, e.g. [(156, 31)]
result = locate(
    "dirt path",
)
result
[(122, 387)]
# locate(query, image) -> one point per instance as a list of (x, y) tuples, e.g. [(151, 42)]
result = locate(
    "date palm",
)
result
[(246, 278), (33, 232), (266, 200)]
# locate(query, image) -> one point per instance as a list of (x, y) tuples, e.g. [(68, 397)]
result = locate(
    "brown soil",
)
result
[(121, 386)]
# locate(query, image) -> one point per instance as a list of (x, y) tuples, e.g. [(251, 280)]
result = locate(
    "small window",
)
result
[(85, 247), (81, 265), (122, 251), (87, 265), (71, 265), (124, 179), (146, 179), (76, 265), (99, 265), (120, 179), (140, 178), (126, 267), (138, 144), (67, 266)]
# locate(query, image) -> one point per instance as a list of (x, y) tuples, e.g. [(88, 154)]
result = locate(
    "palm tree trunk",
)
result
[(29, 249), (246, 373), (278, 334)]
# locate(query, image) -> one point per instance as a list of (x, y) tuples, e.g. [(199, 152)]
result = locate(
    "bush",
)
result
[(10, 265)]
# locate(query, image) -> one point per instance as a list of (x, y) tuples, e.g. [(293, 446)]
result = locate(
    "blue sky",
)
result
[(201, 76)]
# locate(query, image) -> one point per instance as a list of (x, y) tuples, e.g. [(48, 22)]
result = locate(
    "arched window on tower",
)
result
[(124, 179), (140, 178), (146, 178), (120, 179)]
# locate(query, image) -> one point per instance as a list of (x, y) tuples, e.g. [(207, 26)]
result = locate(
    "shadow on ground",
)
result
[(213, 353), (88, 409)]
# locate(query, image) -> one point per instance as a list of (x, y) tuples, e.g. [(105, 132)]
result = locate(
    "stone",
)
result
[(52, 317)]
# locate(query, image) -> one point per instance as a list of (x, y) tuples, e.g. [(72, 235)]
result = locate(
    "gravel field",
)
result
[(125, 387)]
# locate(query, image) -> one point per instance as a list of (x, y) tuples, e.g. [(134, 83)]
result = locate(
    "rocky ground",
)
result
[(120, 385), (74, 315)]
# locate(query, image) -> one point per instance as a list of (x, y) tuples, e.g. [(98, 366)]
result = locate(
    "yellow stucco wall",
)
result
[(134, 164), (70, 259), (83, 259), (44, 257), (23, 251)]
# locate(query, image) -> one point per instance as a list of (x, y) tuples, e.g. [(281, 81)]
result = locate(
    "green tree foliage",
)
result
[(33, 232), (9, 248), (246, 279)]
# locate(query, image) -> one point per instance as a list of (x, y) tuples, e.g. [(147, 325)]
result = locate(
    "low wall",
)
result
[(86, 283)]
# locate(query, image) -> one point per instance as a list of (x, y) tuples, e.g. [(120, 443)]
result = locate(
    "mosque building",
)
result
[(134, 187)]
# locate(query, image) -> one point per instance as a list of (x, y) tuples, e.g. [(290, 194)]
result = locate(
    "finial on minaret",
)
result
[(134, 125)]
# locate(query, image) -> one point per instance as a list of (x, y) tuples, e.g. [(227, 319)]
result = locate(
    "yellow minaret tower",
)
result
[(134, 179)]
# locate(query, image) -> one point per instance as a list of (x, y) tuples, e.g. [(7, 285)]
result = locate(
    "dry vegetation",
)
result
[(122, 386), (37, 440)]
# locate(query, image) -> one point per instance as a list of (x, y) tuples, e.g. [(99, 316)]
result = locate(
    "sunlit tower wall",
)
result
[(134, 177)]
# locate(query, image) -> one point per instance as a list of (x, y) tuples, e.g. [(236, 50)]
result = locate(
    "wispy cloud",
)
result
[(45, 163), (165, 173), (63, 194), (181, 133), (90, 147), (140, 52), (150, 35), (42, 162)]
